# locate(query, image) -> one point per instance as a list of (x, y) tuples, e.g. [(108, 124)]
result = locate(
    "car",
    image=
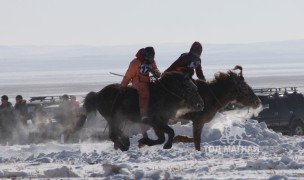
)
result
[(43, 106), (283, 109)]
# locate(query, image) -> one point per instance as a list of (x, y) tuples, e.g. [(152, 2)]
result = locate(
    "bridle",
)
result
[(221, 104)]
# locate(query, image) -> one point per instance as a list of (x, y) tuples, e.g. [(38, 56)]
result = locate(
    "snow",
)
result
[(279, 156)]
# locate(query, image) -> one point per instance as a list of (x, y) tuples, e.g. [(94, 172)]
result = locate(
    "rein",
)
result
[(168, 90), (219, 102), (215, 97), (162, 85)]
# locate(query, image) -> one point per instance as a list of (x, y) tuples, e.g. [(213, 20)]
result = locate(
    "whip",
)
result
[(116, 74)]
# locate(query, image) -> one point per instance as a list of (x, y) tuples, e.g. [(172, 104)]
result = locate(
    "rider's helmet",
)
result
[(196, 48), (149, 54)]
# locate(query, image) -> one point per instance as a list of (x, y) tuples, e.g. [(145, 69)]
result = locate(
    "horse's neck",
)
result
[(220, 97), (168, 96)]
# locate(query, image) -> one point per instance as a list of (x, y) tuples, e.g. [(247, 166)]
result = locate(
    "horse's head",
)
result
[(245, 94), (238, 89), (182, 87)]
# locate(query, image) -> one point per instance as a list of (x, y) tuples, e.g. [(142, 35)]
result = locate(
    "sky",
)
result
[(124, 22)]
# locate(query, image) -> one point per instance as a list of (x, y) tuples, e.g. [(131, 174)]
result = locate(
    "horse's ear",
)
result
[(238, 67), (242, 78), (234, 77)]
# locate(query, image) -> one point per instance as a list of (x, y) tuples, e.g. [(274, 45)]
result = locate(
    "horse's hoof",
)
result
[(140, 145), (121, 147), (167, 146), (125, 148), (126, 142)]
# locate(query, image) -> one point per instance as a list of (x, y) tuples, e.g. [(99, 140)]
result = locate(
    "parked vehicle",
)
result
[(283, 109), (42, 106), (42, 122)]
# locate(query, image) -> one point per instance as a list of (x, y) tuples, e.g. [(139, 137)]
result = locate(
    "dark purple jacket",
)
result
[(186, 63)]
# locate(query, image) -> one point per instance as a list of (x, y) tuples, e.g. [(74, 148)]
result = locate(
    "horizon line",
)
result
[(140, 44)]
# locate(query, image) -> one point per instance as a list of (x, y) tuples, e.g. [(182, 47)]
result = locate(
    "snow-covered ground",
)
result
[(271, 156)]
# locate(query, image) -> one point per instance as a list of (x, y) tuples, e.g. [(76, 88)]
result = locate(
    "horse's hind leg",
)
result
[(125, 141), (120, 141), (114, 138)]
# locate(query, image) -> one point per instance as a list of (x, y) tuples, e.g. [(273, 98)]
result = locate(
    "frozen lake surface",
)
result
[(35, 71)]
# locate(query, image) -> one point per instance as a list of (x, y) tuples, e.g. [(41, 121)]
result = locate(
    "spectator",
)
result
[(7, 119), (21, 110), (65, 112), (75, 105)]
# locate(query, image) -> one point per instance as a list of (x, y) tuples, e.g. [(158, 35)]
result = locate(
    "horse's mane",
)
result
[(167, 76), (224, 77), (171, 74)]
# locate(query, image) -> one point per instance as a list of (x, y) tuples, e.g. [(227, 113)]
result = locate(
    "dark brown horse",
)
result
[(225, 88), (173, 92)]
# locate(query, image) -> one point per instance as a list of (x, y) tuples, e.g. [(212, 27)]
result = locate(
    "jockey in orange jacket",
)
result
[(138, 72), (188, 62)]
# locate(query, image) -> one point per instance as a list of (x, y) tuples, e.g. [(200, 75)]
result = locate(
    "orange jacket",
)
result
[(138, 72), (135, 74)]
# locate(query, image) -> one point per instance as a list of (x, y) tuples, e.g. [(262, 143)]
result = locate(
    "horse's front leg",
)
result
[(171, 134), (144, 140), (147, 141), (197, 131), (161, 136), (164, 128)]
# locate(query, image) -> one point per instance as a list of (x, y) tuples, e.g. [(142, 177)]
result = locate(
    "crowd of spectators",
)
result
[(16, 117)]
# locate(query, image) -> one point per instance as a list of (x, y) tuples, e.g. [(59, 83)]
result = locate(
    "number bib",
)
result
[(194, 64), (145, 69)]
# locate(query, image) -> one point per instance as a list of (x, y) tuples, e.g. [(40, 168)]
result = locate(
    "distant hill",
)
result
[(264, 52), (56, 70), (166, 53)]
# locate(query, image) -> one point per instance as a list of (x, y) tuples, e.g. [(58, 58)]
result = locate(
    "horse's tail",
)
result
[(90, 102)]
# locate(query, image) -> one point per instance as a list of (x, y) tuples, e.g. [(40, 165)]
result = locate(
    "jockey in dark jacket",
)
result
[(188, 62)]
